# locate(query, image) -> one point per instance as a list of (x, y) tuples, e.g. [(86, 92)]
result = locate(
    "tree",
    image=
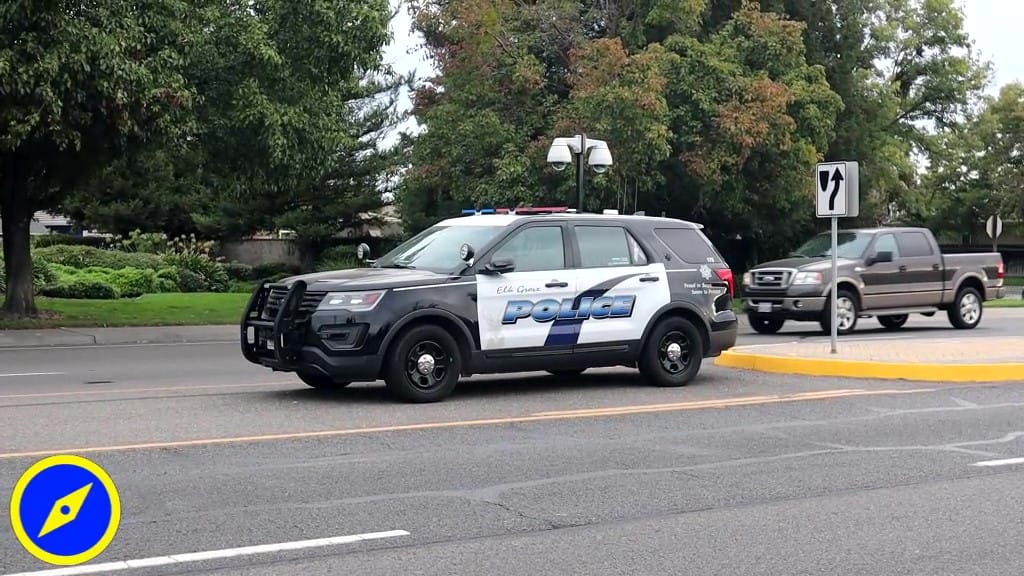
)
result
[(78, 85)]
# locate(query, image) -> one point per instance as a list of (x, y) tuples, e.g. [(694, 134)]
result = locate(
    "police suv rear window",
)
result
[(688, 244)]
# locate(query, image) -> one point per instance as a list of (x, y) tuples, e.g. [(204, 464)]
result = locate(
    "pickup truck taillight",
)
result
[(1001, 271), (726, 275)]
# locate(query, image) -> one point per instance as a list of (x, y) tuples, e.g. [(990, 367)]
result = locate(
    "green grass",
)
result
[(170, 309), (1007, 302), (1014, 280)]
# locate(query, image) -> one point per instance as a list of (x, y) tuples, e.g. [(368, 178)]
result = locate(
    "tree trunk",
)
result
[(16, 213)]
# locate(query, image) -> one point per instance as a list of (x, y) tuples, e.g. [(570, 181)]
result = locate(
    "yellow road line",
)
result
[(537, 417)]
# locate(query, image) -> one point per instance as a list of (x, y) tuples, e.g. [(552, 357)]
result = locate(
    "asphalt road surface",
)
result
[(738, 474)]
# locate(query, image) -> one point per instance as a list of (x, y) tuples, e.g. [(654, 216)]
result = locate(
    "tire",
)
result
[(966, 310), (848, 313), (432, 380), (566, 373), (656, 361), (893, 322), (322, 382), (765, 324)]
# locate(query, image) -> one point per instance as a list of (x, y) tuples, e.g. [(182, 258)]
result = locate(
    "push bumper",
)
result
[(282, 342)]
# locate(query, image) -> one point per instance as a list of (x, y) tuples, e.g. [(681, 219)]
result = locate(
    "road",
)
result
[(737, 474)]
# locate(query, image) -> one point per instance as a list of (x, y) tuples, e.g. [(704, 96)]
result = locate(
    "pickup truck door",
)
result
[(921, 268), (883, 281)]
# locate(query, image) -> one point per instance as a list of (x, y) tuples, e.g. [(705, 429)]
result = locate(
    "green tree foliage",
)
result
[(978, 169), (724, 126), (79, 83)]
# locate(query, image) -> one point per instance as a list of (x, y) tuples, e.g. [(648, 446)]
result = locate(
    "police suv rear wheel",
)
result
[(672, 354), (321, 381), (424, 365)]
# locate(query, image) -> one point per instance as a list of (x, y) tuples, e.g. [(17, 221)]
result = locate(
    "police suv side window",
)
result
[(604, 246), (688, 244), (535, 248)]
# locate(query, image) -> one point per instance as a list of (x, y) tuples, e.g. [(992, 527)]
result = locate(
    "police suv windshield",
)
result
[(437, 248), (851, 245)]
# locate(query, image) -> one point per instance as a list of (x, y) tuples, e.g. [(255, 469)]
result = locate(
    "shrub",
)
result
[(87, 256), (189, 281), (133, 282), (82, 288), (43, 274), (275, 270), (212, 275), (44, 240), (338, 258), (238, 271), (138, 241)]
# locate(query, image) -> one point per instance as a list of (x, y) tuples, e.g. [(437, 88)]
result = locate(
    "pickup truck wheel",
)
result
[(893, 322), (672, 354), (847, 312), (765, 324), (321, 382), (965, 312), (423, 365)]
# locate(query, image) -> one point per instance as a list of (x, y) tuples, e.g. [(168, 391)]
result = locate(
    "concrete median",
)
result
[(931, 360)]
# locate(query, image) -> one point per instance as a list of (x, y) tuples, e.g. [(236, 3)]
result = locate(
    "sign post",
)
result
[(838, 196), (994, 228)]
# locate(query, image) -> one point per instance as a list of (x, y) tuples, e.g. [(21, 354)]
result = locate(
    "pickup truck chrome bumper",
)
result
[(995, 293), (784, 304)]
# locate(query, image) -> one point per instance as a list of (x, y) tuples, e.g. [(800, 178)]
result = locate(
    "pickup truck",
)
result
[(888, 273)]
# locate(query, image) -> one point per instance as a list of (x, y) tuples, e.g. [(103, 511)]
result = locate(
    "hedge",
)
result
[(86, 256)]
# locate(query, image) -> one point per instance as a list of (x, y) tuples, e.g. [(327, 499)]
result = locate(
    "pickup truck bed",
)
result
[(888, 273)]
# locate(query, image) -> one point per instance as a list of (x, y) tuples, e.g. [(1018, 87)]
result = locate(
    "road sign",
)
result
[(994, 227), (65, 510), (838, 189)]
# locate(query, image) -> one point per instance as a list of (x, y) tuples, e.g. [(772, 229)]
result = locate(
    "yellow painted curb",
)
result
[(1002, 372)]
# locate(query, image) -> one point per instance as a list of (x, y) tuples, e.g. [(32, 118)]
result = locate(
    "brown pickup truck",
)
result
[(888, 273)]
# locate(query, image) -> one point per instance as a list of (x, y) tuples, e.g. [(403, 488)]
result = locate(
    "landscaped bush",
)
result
[(44, 240), (43, 273), (86, 256), (238, 271), (213, 277), (189, 281), (338, 258), (82, 288), (275, 270)]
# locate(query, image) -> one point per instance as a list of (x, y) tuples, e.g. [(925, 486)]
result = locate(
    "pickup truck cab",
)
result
[(888, 273)]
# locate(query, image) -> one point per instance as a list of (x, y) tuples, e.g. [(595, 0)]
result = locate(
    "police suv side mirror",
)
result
[(499, 266), (363, 251), (466, 253)]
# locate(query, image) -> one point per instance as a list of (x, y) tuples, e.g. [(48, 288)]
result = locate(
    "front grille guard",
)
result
[(286, 332)]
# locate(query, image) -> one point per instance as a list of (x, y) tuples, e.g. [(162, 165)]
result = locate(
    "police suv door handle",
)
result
[(556, 284), (649, 278)]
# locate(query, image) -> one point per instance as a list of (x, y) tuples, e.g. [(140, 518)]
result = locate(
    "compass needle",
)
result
[(65, 510)]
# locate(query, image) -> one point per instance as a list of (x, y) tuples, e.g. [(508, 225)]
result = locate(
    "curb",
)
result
[(867, 369), (119, 336)]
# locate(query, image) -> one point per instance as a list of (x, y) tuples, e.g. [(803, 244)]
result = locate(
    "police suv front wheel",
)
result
[(672, 354), (423, 365)]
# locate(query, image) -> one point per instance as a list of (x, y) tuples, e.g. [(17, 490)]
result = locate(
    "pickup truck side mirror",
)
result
[(499, 266), (884, 256)]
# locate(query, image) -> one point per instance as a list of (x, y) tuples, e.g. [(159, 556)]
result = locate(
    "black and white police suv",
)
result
[(542, 289)]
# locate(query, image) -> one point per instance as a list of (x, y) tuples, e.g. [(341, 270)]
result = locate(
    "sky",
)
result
[(992, 24)]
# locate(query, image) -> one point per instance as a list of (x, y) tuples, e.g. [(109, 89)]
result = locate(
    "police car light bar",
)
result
[(523, 210)]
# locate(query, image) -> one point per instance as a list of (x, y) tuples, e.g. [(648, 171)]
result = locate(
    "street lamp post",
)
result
[(562, 151)]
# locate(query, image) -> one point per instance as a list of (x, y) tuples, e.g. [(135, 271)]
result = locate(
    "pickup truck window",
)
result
[(915, 245), (887, 243), (851, 245)]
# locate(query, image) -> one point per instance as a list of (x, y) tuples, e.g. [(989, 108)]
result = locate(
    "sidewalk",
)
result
[(996, 359), (112, 336)]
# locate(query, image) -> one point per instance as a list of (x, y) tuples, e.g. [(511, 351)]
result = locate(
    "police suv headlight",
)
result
[(354, 301), (748, 278), (805, 278)]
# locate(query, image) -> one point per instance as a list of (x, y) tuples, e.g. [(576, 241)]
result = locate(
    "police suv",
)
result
[(499, 291)]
